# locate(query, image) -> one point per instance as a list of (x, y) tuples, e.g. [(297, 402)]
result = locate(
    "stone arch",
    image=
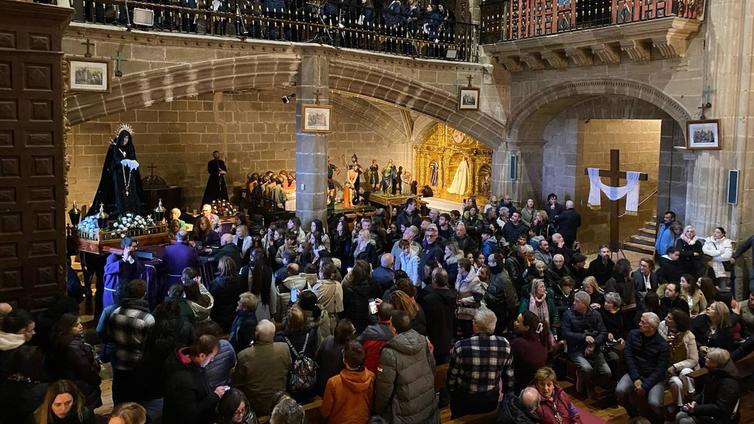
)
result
[(552, 100), (143, 89)]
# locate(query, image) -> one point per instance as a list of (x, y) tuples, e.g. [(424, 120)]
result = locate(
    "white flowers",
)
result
[(129, 163), (125, 225)]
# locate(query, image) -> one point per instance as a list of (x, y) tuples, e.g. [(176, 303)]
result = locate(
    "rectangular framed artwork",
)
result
[(468, 99), (89, 75), (703, 135), (316, 118)]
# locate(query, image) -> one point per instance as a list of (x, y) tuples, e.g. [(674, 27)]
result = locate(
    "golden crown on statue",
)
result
[(124, 127)]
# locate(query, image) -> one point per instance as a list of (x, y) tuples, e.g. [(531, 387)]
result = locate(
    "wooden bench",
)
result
[(486, 418)]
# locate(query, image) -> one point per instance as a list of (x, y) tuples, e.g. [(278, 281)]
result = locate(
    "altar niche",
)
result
[(438, 158)]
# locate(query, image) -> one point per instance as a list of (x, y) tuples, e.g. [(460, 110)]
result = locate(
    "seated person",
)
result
[(719, 399), (555, 407)]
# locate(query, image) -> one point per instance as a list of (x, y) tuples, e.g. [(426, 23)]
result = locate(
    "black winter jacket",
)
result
[(647, 358)]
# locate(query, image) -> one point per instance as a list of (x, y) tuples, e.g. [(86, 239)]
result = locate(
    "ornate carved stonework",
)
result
[(444, 148)]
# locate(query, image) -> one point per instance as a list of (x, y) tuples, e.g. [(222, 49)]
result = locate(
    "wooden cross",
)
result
[(118, 59), (151, 169), (615, 175), (470, 77), (705, 101), (88, 44), (316, 96)]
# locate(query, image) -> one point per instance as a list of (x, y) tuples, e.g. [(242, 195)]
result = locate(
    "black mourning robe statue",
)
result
[(120, 186), (216, 188)]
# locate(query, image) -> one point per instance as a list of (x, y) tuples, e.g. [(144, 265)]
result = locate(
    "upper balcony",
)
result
[(430, 33), (536, 34)]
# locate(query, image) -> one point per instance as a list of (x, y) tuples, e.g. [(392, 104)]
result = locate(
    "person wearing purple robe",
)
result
[(177, 257), (120, 270)]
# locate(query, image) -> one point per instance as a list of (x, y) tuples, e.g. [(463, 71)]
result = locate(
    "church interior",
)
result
[(130, 125)]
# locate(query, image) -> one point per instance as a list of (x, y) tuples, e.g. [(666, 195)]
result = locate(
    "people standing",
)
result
[(216, 188)]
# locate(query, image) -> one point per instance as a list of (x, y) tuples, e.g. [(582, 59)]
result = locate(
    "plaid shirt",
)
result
[(128, 327), (477, 364)]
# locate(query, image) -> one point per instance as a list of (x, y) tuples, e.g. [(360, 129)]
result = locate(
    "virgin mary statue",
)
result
[(460, 182), (120, 184)]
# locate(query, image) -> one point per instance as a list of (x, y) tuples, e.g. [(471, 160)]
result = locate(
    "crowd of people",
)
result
[(343, 23), (361, 314)]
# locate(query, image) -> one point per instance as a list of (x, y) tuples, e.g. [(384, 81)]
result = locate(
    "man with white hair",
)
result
[(214, 220), (520, 409), (262, 369), (585, 333), (227, 248), (647, 356), (568, 223), (409, 234), (477, 365)]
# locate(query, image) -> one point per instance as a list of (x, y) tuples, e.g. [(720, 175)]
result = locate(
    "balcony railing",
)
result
[(510, 20), (428, 33)]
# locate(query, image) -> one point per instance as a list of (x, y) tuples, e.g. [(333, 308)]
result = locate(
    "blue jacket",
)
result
[(647, 358), (489, 247), (664, 239)]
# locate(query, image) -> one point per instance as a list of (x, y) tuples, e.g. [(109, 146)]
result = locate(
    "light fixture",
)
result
[(287, 99)]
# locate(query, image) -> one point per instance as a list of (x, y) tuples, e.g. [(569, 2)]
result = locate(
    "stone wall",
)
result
[(254, 131)]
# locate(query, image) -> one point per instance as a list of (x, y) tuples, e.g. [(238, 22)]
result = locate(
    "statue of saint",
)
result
[(120, 187), (460, 182), (434, 168)]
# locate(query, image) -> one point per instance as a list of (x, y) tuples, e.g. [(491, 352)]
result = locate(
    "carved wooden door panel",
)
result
[(32, 167)]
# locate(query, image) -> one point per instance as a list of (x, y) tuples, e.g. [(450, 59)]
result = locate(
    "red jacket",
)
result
[(373, 339), (560, 404)]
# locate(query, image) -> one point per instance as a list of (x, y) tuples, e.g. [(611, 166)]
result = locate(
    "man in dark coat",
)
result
[(645, 279), (227, 248), (439, 304), (188, 397), (568, 223), (384, 274), (647, 356), (431, 250), (671, 300), (513, 228), (671, 268), (719, 400), (216, 188), (519, 409), (409, 215), (585, 334), (601, 267)]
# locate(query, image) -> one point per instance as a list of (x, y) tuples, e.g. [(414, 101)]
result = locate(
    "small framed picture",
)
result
[(91, 75), (703, 135), (468, 99), (316, 118)]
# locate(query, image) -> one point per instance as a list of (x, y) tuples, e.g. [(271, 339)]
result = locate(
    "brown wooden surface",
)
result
[(32, 165)]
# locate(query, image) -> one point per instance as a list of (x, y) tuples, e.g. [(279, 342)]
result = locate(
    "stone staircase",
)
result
[(644, 241)]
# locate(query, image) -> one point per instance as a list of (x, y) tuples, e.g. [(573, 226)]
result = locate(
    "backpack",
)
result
[(303, 373)]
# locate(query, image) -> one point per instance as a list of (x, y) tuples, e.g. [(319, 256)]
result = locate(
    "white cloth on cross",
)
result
[(630, 190)]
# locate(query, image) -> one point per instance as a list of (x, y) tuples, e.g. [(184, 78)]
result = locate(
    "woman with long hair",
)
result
[(541, 302), (358, 288), (595, 292), (684, 354), (691, 292), (302, 340), (402, 299), (318, 227), (712, 329), (63, 404), (74, 359), (529, 348), (234, 408), (621, 282), (260, 284), (198, 298), (226, 288), (720, 249), (204, 235)]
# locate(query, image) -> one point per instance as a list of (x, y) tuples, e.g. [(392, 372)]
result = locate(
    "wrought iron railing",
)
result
[(510, 20), (429, 33)]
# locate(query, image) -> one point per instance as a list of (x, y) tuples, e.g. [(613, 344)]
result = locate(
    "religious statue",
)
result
[(119, 188), (331, 183), (434, 168), (357, 181), (406, 180), (216, 188), (393, 179), (398, 181), (484, 185), (387, 173), (374, 175), (460, 182), (350, 186)]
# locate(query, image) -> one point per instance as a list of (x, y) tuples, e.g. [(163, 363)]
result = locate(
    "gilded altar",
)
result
[(439, 156)]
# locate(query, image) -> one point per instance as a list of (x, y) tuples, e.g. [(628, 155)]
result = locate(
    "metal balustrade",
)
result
[(510, 20), (417, 33)]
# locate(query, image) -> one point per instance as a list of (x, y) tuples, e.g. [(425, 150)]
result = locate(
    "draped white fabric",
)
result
[(630, 190), (460, 183)]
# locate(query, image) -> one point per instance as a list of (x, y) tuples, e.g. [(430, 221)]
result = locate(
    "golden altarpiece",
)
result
[(438, 157)]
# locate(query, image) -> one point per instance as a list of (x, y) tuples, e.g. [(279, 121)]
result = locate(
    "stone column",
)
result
[(311, 148), (528, 181)]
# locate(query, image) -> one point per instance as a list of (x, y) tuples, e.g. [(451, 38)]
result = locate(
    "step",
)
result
[(650, 224), (641, 248), (648, 232), (642, 239)]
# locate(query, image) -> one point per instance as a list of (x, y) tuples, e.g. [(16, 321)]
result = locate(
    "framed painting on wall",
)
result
[(316, 118), (703, 135), (90, 75), (468, 99)]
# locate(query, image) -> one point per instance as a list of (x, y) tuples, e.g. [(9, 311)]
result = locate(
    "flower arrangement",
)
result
[(223, 208), (128, 224)]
